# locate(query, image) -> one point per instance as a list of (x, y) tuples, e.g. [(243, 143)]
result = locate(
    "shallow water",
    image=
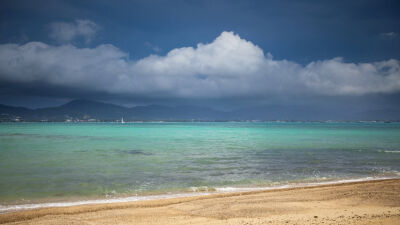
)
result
[(45, 162)]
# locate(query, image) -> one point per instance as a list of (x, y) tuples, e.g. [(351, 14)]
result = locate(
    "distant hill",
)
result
[(6, 110), (82, 109), (87, 109)]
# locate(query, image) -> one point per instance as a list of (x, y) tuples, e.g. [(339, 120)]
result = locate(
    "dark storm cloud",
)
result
[(308, 51)]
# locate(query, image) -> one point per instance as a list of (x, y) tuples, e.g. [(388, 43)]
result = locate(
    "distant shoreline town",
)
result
[(92, 111), (6, 119)]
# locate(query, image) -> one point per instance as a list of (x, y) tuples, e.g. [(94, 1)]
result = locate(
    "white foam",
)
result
[(392, 151), (248, 189), (312, 184), (9, 208)]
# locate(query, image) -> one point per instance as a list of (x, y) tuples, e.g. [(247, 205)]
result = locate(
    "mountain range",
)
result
[(87, 109)]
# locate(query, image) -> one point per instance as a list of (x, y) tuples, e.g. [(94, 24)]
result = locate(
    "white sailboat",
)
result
[(122, 120)]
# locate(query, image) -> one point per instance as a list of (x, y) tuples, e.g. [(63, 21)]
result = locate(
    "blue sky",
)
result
[(295, 30), (144, 52)]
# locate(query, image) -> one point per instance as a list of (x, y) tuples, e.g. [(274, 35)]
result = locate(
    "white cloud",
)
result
[(67, 32), (335, 77), (227, 67), (155, 48), (389, 35), (228, 55)]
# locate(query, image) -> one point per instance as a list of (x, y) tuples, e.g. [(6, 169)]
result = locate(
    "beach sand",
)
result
[(368, 202)]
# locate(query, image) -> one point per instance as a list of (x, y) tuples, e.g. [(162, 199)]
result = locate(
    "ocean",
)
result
[(50, 164)]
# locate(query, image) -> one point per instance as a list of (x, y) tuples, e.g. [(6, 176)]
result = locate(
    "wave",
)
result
[(295, 185), (195, 193), (392, 151), (99, 201)]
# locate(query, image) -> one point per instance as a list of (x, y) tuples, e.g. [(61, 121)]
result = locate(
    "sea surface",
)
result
[(77, 162)]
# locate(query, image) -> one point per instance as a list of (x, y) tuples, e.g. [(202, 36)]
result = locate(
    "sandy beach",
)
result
[(368, 202)]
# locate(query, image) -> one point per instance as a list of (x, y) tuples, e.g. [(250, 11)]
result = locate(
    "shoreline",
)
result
[(8, 208), (373, 199)]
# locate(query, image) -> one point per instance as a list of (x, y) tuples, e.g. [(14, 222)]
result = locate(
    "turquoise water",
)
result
[(54, 161)]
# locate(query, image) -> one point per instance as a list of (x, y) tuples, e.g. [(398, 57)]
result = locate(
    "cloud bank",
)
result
[(64, 32), (227, 67)]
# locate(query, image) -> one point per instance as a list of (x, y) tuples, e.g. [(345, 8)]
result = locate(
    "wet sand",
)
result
[(368, 202)]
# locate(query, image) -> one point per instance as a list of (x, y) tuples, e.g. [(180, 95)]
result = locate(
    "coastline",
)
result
[(360, 202), (219, 190)]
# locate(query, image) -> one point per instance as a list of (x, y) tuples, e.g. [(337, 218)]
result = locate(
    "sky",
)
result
[(221, 54)]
